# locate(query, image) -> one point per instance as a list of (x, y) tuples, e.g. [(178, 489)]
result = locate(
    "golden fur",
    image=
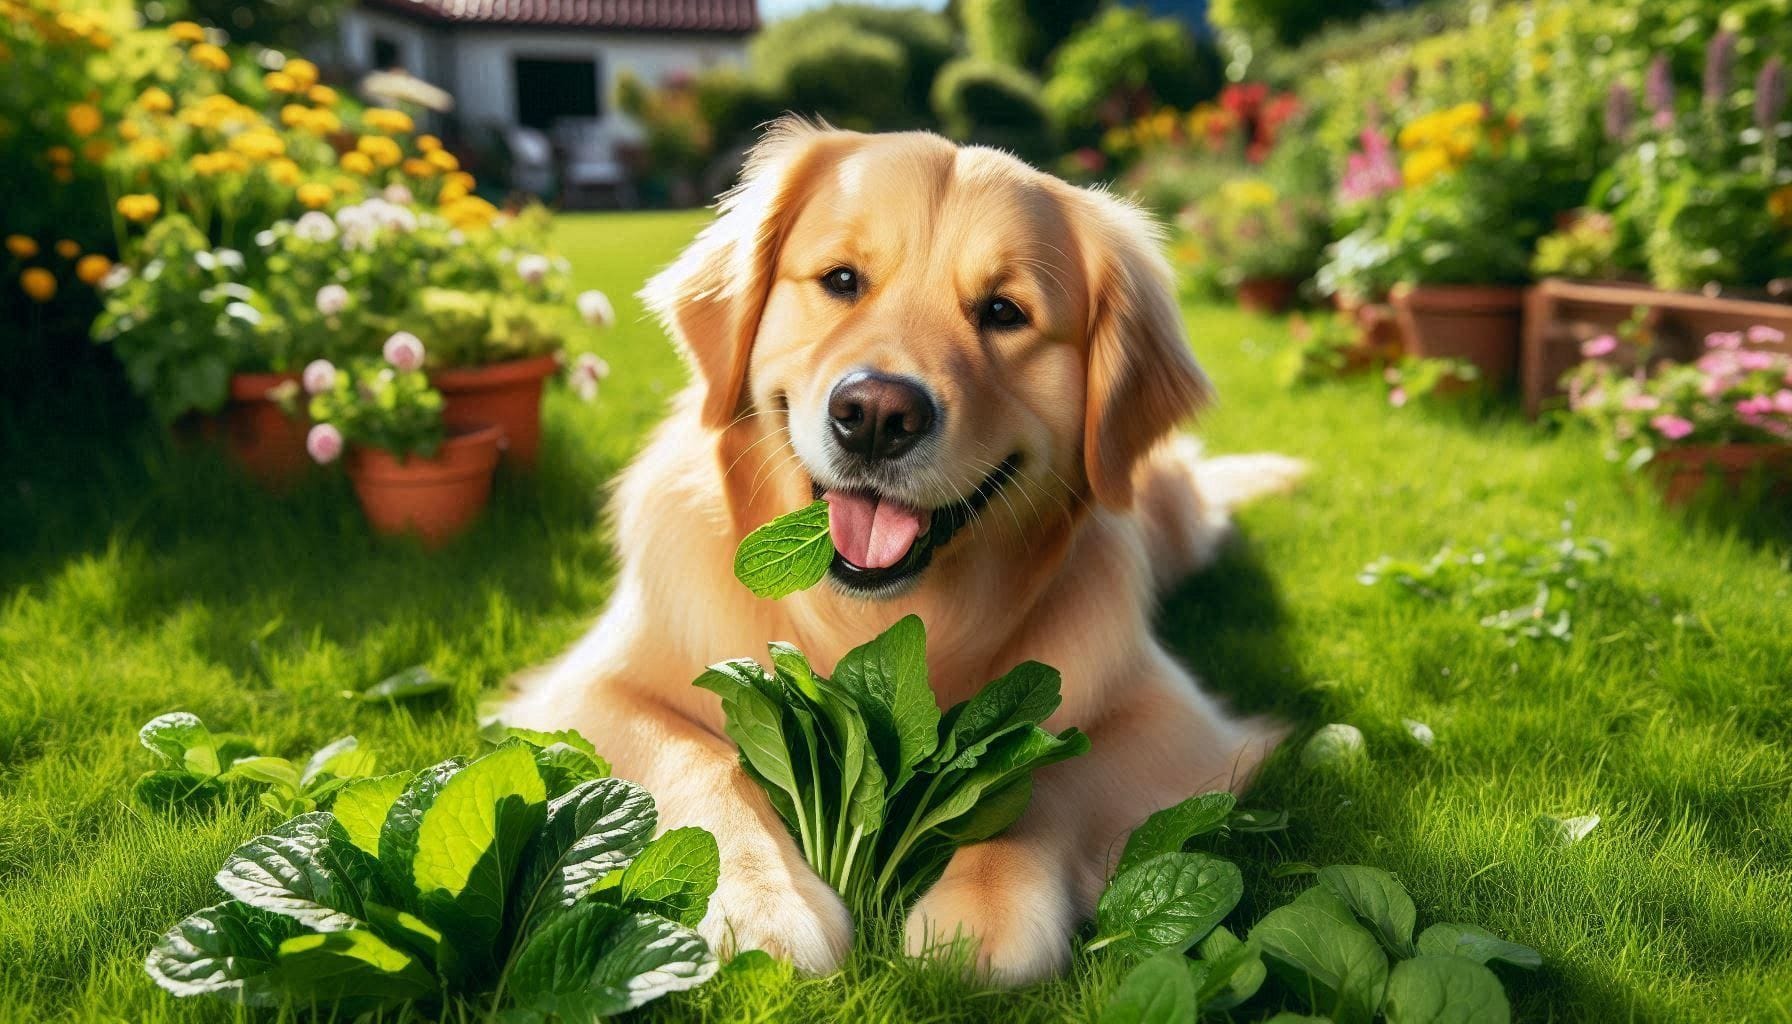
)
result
[(1064, 566)]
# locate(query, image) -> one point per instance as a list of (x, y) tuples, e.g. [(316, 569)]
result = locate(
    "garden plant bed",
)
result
[(136, 585), (1561, 315)]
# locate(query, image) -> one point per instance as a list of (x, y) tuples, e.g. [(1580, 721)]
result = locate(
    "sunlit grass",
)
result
[(139, 578)]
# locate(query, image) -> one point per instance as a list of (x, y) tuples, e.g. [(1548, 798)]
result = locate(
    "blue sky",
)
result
[(770, 9)]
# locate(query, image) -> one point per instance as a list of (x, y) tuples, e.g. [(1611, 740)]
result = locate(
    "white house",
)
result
[(547, 65)]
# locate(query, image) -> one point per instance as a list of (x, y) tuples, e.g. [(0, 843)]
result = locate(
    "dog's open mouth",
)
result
[(881, 543)]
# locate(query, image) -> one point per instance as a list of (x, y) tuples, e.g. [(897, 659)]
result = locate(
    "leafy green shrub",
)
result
[(1123, 64), (1021, 33), (879, 786), (526, 871), (1285, 22), (199, 766), (984, 101), (857, 66)]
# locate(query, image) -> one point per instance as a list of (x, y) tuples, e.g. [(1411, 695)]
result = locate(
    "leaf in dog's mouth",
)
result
[(788, 554)]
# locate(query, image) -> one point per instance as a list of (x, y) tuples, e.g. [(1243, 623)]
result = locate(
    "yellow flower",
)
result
[(357, 163), (259, 145), (443, 160), (469, 213), (210, 57), (428, 144), (61, 156), (323, 122), (315, 194), (129, 131), (1248, 193), (39, 284), (220, 162), (149, 151), (417, 167), (381, 150), (345, 185), (383, 119), (1779, 204), (322, 95), (285, 172), (1425, 165), (293, 115), (84, 119), (93, 268), (280, 81), (68, 248), (302, 72), (155, 101), (186, 32), (95, 150), (22, 246), (450, 191)]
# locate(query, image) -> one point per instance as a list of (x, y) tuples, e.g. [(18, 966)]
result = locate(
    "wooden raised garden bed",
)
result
[(1560, 315)]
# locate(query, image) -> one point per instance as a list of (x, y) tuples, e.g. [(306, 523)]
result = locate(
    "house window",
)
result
[(550, 89), (385, 54)]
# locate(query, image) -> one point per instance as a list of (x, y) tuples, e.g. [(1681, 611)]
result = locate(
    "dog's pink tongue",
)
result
[(869, 532)]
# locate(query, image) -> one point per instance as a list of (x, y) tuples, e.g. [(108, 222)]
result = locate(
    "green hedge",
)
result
[(985, 101)]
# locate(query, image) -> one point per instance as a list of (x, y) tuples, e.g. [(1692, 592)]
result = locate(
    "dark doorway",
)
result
[(550, 89), (385, 54)]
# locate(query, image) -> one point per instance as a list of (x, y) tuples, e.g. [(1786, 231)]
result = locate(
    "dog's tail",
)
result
[(1186, 501)]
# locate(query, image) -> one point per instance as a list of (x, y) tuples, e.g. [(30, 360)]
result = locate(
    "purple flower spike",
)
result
[(1770, 95), (1620, 112), (1720, 61), (1658, 87)]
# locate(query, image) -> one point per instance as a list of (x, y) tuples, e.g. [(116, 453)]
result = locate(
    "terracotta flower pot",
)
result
[(1479, 324), (1267, 294), (1682, 472), (504, 395), (258, 434), (434, 498)]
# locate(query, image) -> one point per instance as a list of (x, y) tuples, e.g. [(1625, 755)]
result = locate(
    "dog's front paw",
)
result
[(793, 917), (1014, 930)]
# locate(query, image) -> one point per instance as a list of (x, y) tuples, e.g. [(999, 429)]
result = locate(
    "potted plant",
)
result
[(1726, 417), (1259, 240), (411, 473)]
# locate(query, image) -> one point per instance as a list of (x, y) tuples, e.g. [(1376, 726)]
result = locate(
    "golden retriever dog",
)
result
[(981, 368)]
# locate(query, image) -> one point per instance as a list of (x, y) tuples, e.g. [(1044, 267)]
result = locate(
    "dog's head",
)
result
[(933, 338)]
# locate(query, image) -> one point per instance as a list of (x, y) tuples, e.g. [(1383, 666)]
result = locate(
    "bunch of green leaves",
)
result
[(526, 878), (379, 406), (1420, 377), (1531, 582), (200, 766), (1326, 347), (876, 784), (1330, 948), (788, 554)]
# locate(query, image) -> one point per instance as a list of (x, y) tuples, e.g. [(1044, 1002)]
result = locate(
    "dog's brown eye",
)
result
[(842, 281), (1000, 312)]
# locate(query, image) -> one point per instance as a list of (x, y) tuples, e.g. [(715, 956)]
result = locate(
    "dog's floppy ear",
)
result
[(711, 298), (1142, 378)]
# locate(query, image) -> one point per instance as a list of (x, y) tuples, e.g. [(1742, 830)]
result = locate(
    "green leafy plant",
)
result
[(1417, 378), (405, 684), (1250, 228), (788, 554), (524, 877), (200, 766), (878, 786), (1325, 347), (1532, 582), (389, 407), (1344, 948)]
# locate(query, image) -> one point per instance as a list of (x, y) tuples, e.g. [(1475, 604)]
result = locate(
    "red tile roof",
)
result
[(731, 16)]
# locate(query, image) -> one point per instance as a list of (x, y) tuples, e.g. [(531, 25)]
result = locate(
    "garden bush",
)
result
[(1121, 65), (984, 101), (1021, 33), (860, 67)]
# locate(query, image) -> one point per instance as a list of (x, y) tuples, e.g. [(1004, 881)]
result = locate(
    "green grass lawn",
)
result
[(138, 578)]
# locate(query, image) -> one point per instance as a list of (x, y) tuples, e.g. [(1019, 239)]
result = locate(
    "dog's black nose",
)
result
[(878, 416)]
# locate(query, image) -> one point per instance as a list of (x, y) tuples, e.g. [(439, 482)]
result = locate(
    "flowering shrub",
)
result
[(1248, 229), (1245, 122), (385, 404), (1732, 395)]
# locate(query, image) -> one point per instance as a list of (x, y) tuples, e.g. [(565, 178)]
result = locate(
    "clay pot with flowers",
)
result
[(495, 352), (1724, 420), (411, 472)]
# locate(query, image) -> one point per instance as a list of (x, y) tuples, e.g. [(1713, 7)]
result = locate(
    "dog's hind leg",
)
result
[(1185, 501)]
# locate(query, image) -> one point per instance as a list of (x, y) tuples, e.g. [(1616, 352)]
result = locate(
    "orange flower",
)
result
[(186, 32), (84, 119), (417, 167), (22, 246), (139, 207), (428, 143), (322, 95), (315, 194), (38, 283), (61, 156), (443, 160), (1779, 204), (129, 131), (155, 100), (68, 248), (95, 150), (93, 268), (379, 149)]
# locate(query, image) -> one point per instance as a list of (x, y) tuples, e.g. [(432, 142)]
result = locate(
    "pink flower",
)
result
[(1724, 339), (1641, 403), (324, 442), (332, 299), (1711, 387), (1599, 347), (1761, 334), (1752, 408), (404, 351), (1782, 401), (397, 193), (533, 269), (595, 307), (319, 376), (1370, 173), (1672, 427), (1753, 360), (586, 373), (1397, 397)]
